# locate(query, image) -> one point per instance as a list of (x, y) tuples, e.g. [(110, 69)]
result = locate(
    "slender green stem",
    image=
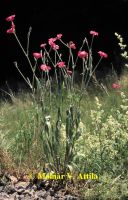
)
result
[(92, 42), (34, 69), (93, 71), (97, 65), (25, 56), (55, 69), (63, 43), (49, 56), (69, 57), (73, 68), (28, 39), (28, 82), (83, 73), (49, 84), (24, 51)]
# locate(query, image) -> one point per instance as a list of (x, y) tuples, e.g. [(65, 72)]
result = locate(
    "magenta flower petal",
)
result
[(102, 54), (12, 29), (72, 45), (10, 18), (43, 45), (116, 86), (94, 33), (37, 55), (51, 40), (59, 36), (82, 54), (61, 64), (45, 68)]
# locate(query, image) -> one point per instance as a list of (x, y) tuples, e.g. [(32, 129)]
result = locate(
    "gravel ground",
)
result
[(14, 189)]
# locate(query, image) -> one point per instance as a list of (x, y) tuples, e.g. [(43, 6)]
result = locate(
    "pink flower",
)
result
[(116, 86), (45, 68), (51, 41), (69, 72), (37, 55), (55, 46), (10, 18), (94, 33), (43, 45), (61, 64), (59, 36), (82, 54), (72, 45), (12, 29), (102, 54)]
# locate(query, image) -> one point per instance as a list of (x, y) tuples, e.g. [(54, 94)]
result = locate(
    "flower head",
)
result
[(55, 46), (45, 68), (51, 40), (94, 33), (12, 29), (69, 72), (10, 18), (82, 54), (102, 54), (37, 55), (43, 45), (72, 45), (116, 86), (59, 36), (61, 64)]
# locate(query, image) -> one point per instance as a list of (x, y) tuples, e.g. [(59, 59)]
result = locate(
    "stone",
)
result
[(4, 195), (70, 197), (52, 192), (42, 194), (13, 196), (16, 197), (34, 187), (13, 179), (9, 189), (32, 192), (27, 192), (49, 197), (1, 188), (21, 185), (21, 197), (20, 191)]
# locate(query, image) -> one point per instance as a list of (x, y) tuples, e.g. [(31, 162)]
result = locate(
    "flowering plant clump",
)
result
[(60, 126), (67, 71), (63, 83), (123, 47), (105, 138), (51, 90)]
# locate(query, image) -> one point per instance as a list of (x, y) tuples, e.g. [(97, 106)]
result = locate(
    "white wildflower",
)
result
[(124, 107)]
